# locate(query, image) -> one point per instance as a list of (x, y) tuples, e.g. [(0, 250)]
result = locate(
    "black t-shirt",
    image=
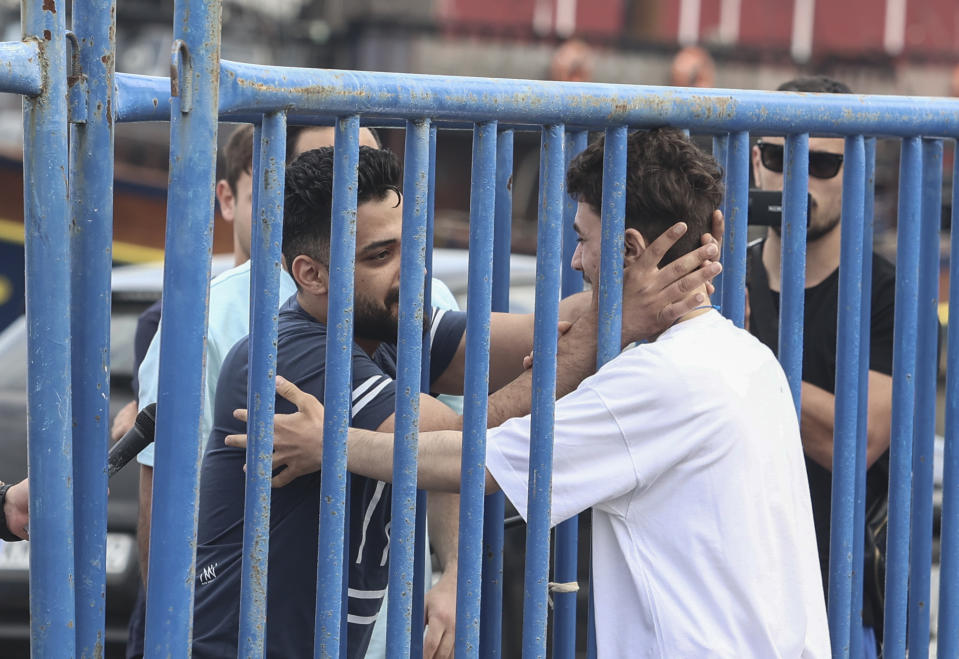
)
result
[(294, 515), (819, 369)]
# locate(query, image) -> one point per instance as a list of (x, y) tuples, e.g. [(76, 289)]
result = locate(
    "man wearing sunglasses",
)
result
[(819, 336)]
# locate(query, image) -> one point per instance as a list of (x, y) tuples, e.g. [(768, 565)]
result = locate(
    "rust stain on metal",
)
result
[(46, 34), (50, 5)]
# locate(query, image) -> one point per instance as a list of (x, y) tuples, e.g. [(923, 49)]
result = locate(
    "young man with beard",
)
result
[(302, 350), (300, 358), (820, 334), (686, 447)]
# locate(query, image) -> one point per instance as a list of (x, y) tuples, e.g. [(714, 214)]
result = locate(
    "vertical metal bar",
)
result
[(476, 388), (566, 549), (721, 154), (410, 345), (795, 217), (91, 194), (927, 350), (186, 285), (548, 250), (948, 628), (421, 551), (572, 280), (905, 335), (734, 245), (611, 260), (491, 605), (847, 398), (47, 251), (859, 513), (609, 333), (267, 235), (330, 575)]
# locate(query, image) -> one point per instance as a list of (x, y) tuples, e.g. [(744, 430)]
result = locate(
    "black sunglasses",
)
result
[(822, 164)]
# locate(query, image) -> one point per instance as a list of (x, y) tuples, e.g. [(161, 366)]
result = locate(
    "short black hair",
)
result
[(308, 197), (668, 179), (816, 84)]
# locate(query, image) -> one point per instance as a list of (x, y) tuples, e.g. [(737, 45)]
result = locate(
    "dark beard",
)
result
[(375, 322), (378, 323), (813, 233)]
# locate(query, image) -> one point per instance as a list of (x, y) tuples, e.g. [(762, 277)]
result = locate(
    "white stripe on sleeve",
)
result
[(357, 406), (360, 390)]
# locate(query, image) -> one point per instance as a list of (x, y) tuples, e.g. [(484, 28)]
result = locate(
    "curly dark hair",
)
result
[(308, 197), (668, 179)]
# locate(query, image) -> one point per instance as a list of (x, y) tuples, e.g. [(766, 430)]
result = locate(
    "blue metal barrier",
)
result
[(49, 392), (476, 388), (491, 602), (408, 377), (903, 398), (949, 538), (91, 196), (68, 332), (186, 285), (333, 488), (927, 373), (859, 515), (842, 561), (552, 187), (269, 142), (795, 214)]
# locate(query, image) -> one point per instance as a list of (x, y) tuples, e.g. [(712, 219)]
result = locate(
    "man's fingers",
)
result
[(681, 292), (236, 441), (431, 642), (718, 226), (290, 391), (446, 645), (693, 281), (679, 269), (657, 250), (285, 477), (240, 415)]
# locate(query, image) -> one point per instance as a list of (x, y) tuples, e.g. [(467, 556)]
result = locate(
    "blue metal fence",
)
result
[(68, 342)]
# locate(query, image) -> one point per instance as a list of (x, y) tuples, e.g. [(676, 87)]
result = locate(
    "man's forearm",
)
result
[(816, 423), (444, 520), (370, 454), (575, 361), (817, 420)]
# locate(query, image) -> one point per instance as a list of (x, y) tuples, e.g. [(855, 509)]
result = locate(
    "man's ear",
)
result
[(635, 245), (312, 276), (227, 200)]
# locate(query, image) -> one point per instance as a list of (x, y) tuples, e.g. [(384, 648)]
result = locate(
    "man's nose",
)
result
[(577, 261)]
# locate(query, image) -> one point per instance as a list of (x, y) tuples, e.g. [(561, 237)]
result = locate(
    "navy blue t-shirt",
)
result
[(291, 589)]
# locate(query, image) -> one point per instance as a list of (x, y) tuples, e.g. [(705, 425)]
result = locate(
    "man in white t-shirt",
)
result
[(686, 447)]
